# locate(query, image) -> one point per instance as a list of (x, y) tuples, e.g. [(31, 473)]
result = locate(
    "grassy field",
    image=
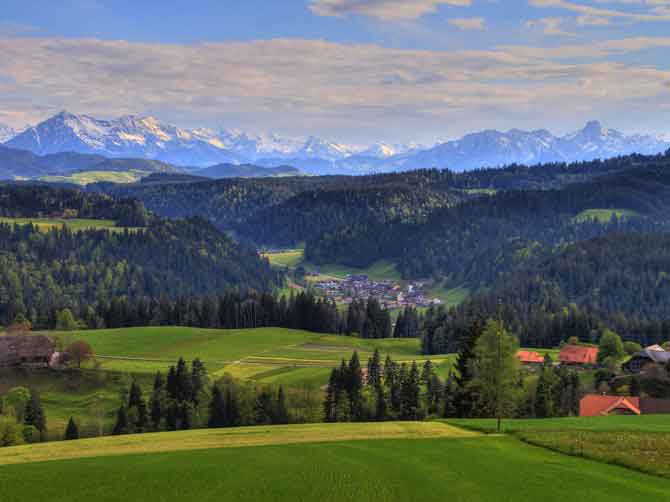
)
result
[(66, 394), (293, 258), (87, 177), (259, 354), (46, 224), (604, 215), (226, 438), (642, 423), (424, 464), (638, 442)]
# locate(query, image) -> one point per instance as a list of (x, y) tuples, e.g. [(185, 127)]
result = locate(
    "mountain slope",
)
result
[(146, 137)]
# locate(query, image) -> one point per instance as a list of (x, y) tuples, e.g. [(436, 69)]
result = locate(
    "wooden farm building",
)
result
[(648, 357), (530, 357), (578, 355), (594, 405), (26, 350)]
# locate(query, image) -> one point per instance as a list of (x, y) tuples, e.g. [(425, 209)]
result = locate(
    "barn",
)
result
[(26, 350)]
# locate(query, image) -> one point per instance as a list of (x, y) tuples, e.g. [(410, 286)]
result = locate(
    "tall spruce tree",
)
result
[(71, 431)]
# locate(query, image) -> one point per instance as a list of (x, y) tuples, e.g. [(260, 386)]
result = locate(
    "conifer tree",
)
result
[(355, 388), (281, 415), (121, 425), (157, 401), (374, 369), (71, 431), (217, 412), (34, 413), (329, 402)]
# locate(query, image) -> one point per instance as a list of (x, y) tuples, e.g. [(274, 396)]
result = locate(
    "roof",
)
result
[(578, 354), (656, 356), (657, 348), (14, 349), (527, 356), (593, 405)]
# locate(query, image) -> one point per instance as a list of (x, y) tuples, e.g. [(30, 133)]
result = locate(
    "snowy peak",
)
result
[(6, 133)]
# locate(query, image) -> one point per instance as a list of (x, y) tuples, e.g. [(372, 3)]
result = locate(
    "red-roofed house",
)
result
[(578, 354), (594, 405), (529, 357)]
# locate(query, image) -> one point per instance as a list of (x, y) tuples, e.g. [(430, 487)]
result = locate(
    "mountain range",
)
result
[(148, 138)]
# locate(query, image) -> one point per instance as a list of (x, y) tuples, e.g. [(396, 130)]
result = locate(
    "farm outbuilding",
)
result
[(578, 354), (26, 350)]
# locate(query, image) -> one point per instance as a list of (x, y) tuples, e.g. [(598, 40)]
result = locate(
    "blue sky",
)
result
[(351, 70)]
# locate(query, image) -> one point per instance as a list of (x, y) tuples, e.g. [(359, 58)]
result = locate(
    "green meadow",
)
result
[(604, 215), (87, 177), (326, 462), (46, 224), (270, 355)]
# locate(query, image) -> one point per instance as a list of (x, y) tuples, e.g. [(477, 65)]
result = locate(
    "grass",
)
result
[(249, 353), (293, 258), (415, 466), (66, 394), (450, 297), (46, 224), (642, 423), (87, 177), (604, 215), (226, 438), (638, 442)]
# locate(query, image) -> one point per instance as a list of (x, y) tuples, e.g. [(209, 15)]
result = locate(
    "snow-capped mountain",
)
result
[(494, 148), (148, 138), (6, 133)]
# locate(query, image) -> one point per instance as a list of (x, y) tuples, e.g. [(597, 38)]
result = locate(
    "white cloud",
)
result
[(469, 23), (655, 14), (302, 86), (388, 10), (551, 26)]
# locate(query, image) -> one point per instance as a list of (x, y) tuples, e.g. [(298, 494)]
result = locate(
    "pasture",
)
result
[(604, 215), (46, 224), (87, 177), (411, 466), (638, 442), (267, 355)]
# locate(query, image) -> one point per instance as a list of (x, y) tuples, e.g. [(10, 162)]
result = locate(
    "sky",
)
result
[(348, 70)]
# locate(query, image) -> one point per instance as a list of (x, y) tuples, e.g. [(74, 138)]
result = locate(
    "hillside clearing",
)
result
[(46, 224), (604, 215)]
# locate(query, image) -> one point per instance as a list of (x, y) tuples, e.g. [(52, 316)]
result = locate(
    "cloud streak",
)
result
[(298, 86), (387, 10)]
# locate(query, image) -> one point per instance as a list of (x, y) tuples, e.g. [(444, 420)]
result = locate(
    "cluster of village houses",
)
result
[(582, 356), (391, 294)]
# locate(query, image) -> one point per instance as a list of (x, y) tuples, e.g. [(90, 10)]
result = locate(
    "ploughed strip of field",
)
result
[(227, 438)]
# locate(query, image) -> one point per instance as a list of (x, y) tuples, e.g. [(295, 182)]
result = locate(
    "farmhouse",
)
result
[(26, 350), (578, 355), (529, 357), (645, 358), (593, 405)]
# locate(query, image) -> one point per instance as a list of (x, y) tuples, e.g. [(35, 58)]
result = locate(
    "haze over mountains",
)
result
[(148, 138)]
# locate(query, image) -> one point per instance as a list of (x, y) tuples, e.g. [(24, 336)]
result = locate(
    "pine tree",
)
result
[(355, 388), (34, 413), (427, 372), (281, 414), (374, 369), (217, 412), (198, 380), (466, 397), (329, 402), (381, 407), (71, 431), (449, 409), (157, 401), (410, 393), (121, 425)]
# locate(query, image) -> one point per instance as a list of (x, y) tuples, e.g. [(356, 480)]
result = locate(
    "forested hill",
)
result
[(43, 271), (284, 211), (620, 281), (305, 207), (476, 241)]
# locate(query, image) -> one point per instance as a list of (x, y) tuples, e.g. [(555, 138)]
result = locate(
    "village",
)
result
[(391, 294)]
